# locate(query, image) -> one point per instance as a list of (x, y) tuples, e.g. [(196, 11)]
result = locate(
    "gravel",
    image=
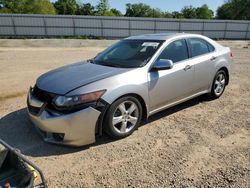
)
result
[(200, 143)]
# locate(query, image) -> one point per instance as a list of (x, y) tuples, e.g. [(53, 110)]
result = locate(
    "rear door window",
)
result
[(198, 47)]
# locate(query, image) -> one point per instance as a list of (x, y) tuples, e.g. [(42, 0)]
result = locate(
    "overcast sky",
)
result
[(164, 5)]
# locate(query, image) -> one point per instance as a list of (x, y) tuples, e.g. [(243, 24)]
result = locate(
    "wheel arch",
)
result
[(137, 96)]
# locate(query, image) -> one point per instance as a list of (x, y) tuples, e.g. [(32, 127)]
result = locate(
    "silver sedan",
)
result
[(129, 81)]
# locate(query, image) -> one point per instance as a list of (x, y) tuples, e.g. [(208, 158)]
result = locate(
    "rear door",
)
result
[(202, 55)]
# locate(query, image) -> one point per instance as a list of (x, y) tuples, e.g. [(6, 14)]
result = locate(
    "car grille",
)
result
[(43, 95)]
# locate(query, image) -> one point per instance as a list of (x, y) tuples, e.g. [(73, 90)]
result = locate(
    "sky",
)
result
[(164, 5)]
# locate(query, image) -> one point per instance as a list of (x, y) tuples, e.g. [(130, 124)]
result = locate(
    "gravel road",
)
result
[(200, 143)]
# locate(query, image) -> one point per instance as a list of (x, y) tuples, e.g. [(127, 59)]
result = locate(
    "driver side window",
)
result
[(175, 51)]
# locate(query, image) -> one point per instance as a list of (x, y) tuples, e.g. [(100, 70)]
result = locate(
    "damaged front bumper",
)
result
[(74, 129)]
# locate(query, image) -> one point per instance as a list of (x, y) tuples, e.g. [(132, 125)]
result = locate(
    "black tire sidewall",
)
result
[(108, 127)]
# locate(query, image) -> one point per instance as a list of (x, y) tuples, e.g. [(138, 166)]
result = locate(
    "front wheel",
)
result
[(219, 84), (123, 117)]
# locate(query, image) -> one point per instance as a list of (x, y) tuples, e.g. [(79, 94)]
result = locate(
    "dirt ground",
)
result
[(200, 143)]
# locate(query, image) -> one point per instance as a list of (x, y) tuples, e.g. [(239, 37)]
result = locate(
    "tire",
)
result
[(219, 84), (123, 117)]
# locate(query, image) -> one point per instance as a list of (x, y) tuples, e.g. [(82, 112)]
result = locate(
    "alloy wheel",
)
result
[(219, 84), (125, 117)]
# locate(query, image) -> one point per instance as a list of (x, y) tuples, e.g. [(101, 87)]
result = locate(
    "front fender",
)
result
[(131, 82), (111, 95)]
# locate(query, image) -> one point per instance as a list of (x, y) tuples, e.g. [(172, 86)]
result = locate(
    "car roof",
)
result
[(160, 36)]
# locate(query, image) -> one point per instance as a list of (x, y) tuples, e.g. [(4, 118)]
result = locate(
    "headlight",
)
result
[(65, 101)]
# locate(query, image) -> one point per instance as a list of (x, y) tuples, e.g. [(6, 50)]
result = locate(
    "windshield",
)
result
[(128, 53)]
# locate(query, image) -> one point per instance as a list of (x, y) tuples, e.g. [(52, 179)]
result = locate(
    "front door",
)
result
[(168, 86)]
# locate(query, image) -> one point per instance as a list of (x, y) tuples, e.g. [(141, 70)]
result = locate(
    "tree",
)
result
[(43, 7), (66, 6), (189, 12), (156, 13), (116, 12), (225, 12), (108, 13), (27, 7), (102, 7), (177, 15), (234, 9), (138, 10), (12, 6), (167, 15), (241, 9), (204, 12), (143, 10), (85, 9)]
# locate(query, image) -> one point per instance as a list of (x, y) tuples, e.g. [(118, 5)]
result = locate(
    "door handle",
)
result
[(213, 58), (187, 67)]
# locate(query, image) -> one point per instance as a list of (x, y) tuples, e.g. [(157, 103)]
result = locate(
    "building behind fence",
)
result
[(116, 27)]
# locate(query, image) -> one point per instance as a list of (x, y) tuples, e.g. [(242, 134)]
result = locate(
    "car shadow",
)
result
[(177, 108), (17, 130)]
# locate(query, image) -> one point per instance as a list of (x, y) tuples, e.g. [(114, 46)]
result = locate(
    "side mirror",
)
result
[(163, 64)]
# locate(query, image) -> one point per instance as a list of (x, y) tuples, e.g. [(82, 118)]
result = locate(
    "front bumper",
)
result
[(75, 129)]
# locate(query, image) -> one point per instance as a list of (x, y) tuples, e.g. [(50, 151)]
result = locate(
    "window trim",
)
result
[(190, 48)]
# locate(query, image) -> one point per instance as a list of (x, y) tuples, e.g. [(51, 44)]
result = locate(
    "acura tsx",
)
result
[(126, 83)]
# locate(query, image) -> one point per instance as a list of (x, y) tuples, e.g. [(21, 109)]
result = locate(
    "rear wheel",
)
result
[(219, 84), (123, 117)]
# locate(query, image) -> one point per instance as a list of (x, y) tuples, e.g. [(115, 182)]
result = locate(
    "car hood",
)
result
[(67, 78)]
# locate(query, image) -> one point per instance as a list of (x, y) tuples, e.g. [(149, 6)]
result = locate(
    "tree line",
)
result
[(231, 9)]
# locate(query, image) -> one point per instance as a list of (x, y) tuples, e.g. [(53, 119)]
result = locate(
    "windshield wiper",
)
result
[(103, 63), (111, 65)]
